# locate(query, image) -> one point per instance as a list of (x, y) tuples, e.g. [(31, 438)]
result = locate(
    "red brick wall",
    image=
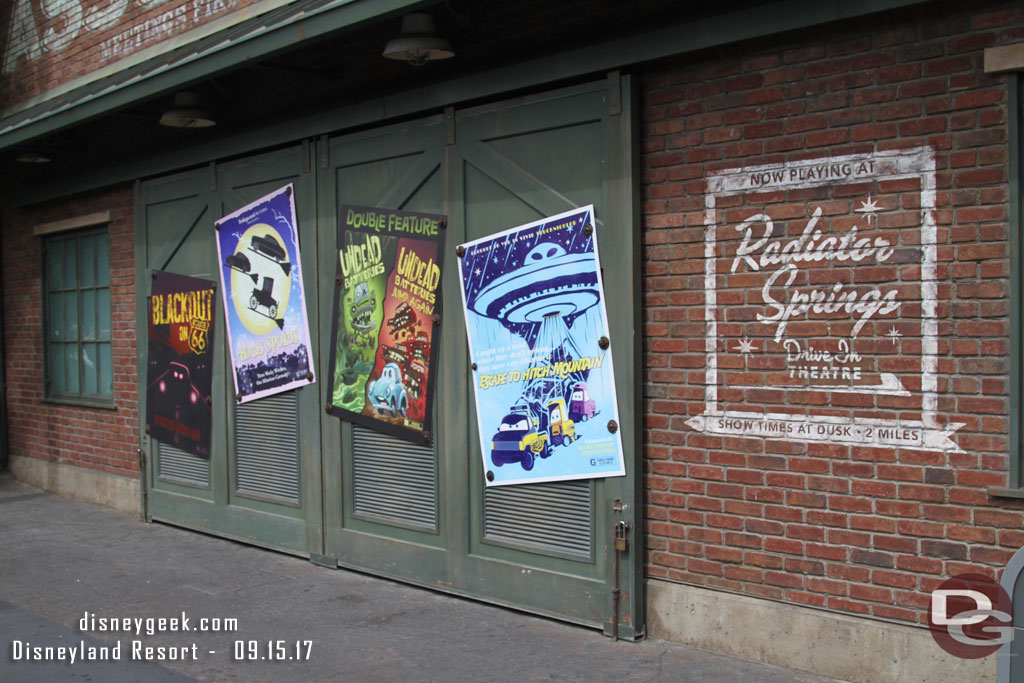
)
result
[(44, 52), (834, 524), (88, 437)]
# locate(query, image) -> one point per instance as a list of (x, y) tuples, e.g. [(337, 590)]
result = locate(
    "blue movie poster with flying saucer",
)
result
[(264, 300), (539, 344)]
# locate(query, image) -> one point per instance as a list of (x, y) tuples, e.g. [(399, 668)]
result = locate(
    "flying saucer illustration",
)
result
[(550, 283)]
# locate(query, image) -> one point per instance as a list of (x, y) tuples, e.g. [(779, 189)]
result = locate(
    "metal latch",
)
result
[(621, 528)]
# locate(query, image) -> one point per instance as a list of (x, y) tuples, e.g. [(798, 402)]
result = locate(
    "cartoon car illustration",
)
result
[(414, 373), (263, 297), (265, 245), (241, 263), (403, 319), (362, 306), (387, 392), (561, 428), (581, 406), (419, 347), (395, 354), (176, 386), (519, 440)]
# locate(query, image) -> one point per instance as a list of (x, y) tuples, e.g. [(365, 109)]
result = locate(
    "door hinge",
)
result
[(449, 125), (614, 93), (324, 153)]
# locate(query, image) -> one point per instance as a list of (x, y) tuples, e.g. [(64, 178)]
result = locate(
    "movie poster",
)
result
[(179, 375), (264, 299), (387, 307), (542, 361)]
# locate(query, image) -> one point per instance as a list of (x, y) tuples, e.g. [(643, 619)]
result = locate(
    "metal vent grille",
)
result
[(181, 466), (394, 480), (267, 448), (553, 517)]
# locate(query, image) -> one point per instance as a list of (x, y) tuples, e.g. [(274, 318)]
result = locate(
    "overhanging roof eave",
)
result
[(157, 76)]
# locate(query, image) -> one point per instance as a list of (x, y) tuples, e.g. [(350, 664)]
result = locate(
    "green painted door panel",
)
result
[(383, 496), (544, 548), (262, 482)]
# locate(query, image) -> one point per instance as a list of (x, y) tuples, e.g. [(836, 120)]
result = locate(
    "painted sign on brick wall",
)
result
[(48, 42), (821, 302)]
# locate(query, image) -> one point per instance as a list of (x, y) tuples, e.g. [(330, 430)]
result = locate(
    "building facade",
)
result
[(808, 217)]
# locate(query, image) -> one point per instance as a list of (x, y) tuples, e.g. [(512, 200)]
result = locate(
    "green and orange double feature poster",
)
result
[(387, 311)]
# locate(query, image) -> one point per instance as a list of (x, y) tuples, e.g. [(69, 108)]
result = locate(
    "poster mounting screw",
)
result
[(613, 426), (209, 400), (147, 429), (428, 438), (337, 280), (436, 318), (288, 190), (154, 274), (328, 409), (309, 376), (588, 229), (238, 397), (490, 475), (604, 342), (460, 251), (443, 223), (216, 226), (473, 365)]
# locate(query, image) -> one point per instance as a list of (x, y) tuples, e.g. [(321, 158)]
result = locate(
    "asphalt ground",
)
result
[(65, 566)]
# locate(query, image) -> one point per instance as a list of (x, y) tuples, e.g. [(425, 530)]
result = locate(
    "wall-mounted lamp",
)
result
[(186, 113), (418, 43)]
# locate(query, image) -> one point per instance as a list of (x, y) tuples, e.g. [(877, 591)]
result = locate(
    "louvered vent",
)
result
[(267, 448), (553, 516), (394, 480), (181, 466)]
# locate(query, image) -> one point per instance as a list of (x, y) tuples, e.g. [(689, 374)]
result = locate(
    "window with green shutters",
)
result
[(76, 290)]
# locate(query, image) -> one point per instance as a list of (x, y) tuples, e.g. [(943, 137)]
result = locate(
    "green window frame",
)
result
[(77, 318), (1015, 110)]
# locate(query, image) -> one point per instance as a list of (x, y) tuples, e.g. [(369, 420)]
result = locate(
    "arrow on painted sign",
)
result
[(828, 429), (889, 386)]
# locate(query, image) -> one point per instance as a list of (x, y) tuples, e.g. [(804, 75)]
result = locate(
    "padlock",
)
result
[(620, 536)]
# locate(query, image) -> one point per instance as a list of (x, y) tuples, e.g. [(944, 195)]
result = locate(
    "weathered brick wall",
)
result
[(88, 437), (50, 42), (867, 521)]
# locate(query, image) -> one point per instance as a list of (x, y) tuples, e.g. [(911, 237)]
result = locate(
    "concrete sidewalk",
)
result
[(61, 560)]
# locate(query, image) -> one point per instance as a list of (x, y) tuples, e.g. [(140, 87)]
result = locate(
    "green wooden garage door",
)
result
[(421, 514)]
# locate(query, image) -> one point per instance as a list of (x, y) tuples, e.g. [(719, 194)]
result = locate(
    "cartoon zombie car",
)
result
[(387, 393), (581, 406), (362, 306), (403, 320), (519, 440)]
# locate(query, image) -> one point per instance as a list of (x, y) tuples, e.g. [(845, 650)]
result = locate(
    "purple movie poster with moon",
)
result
[(264, 300), (542, 362)]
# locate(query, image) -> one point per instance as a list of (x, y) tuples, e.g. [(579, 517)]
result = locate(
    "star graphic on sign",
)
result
[(893, 334), (746, 346), (869, 206), (478, 271)]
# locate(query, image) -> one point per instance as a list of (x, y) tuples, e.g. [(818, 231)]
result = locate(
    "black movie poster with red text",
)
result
[(179, 375)]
